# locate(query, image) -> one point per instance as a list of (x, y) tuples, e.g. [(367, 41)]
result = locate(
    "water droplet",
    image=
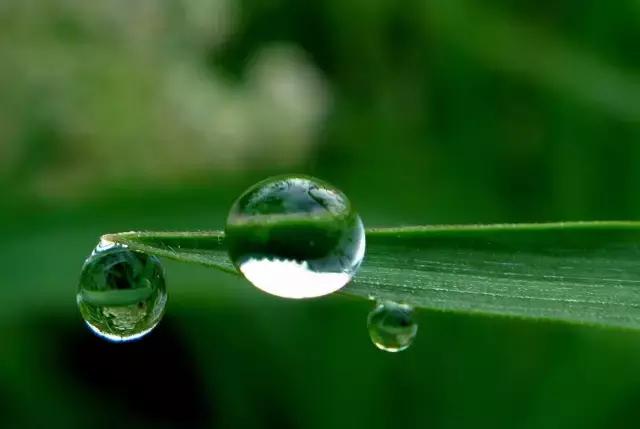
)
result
[(122, 293), (391, 326), (105, 244), (295, 237)]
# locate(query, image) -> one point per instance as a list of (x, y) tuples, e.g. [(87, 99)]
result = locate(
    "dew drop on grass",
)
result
[(391, 326), (122, 293), (295, 237)]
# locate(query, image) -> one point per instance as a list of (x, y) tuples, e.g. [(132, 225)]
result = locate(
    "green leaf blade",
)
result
[(204, 248), (577, 272)]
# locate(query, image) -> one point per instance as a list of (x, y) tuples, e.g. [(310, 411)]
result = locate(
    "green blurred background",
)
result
[(155, 114)]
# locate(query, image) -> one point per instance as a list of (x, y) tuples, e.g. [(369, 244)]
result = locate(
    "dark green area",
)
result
[(120, 116)]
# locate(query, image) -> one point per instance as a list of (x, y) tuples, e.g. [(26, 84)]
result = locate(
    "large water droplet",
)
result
[(295, 237), (122, 293), (391, 326)]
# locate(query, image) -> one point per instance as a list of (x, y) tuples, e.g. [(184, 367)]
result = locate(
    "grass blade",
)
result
[(579, 272)]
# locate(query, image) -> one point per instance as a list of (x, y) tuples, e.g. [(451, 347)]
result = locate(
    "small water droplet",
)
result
[(105, 244), (122, 293), (391, 326), (295, 237)]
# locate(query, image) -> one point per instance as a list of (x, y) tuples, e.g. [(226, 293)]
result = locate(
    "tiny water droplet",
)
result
[(105, 244), (391, 326), (122, 293), (295, 237)]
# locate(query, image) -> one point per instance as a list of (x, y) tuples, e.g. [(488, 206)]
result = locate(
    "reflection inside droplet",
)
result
[(295, 237), (122, 293), (291, 279), (391, 326)]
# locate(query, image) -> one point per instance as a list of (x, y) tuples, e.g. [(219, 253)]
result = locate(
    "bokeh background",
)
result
[(155, 114)]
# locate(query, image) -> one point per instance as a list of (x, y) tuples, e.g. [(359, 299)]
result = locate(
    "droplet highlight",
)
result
[(391, 326), (122, 293), (295, 237)]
